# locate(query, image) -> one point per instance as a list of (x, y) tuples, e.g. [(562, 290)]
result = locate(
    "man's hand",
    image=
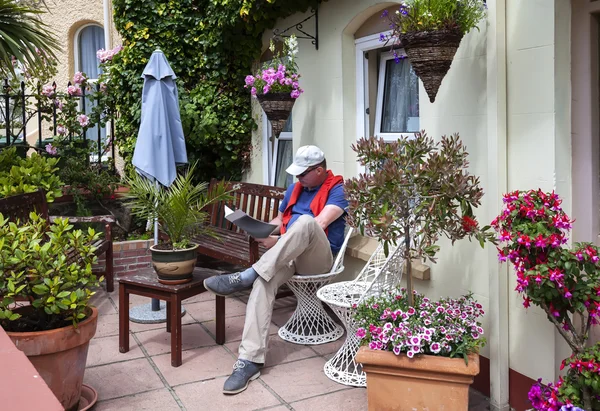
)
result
[(268, 242)]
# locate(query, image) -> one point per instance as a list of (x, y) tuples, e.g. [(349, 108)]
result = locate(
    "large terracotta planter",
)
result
[(60, 356), (174, 266), (425, 382)]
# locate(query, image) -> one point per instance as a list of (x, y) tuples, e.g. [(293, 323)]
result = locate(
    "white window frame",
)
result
[(384, 58)]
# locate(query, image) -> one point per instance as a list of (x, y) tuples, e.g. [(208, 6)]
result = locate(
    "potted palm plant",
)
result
[(46, 282), (180, 211), (414, 191)]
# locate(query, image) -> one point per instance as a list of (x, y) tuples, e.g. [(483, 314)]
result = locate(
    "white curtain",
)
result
[(91, 39), (285, 156), (400, 112)]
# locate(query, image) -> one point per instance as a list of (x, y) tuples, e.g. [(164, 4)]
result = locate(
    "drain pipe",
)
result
[(107, 24), (498, 185)]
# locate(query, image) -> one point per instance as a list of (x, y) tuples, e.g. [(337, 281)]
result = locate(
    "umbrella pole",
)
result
[(155, 301)]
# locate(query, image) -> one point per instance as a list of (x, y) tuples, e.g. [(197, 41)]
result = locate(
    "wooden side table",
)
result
[(145, 283)]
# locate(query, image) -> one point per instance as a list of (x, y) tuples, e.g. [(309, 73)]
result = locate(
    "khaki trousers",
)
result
[(303, 249)]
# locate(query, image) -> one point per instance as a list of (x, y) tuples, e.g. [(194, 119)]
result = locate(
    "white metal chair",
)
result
[(381, 273), (310, 324)]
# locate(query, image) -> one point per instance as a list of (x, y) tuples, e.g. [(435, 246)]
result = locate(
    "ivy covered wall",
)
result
[(211, 45)]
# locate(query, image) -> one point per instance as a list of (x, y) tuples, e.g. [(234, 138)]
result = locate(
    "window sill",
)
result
[(363, 247)]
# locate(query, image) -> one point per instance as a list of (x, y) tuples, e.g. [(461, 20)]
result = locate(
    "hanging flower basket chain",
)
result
[(431, 54)]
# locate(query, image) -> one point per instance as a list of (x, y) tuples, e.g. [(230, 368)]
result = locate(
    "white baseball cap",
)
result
[(306, 156)]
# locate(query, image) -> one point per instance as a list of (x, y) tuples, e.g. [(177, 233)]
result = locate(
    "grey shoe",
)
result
[(224, 285), (244, 371)]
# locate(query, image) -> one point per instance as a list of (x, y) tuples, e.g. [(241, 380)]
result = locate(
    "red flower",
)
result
[(469, 224)]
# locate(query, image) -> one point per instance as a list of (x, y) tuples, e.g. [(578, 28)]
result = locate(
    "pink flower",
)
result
[(249, 80), (60, 129), (295, 94), (266, 89), (48, 91), (103, 87), (79, 78), (361, 332), (50, 149), (74, 91), (83, 120), (253, 91)]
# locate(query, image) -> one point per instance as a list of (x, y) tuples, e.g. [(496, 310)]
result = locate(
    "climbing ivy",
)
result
[(211, 45)]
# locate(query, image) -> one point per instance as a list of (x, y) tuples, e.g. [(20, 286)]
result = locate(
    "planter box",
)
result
[(425, 382)]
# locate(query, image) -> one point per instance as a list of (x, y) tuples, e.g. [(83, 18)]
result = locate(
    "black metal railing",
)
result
[(18, 110)]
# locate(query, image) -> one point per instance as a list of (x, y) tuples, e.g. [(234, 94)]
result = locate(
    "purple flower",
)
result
[(253, 91), (249, 80), (50, 149), (382, 37), (295, 93), (385, 13)]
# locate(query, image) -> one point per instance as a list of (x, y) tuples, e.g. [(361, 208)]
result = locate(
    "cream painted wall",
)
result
[(538, 148)]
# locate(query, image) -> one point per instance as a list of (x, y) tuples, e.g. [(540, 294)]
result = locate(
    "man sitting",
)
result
[(311, 227)]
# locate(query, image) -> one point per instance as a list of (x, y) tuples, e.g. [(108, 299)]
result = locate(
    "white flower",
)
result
[(292, 45)]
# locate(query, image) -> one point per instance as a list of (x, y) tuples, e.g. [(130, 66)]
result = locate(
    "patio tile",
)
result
[(198, 364), (103, 303), (199, 298), (139, 327), (255, 397), (285, 302), (280, 351), (205, 311), (153, 400), (159, 341), (122, 378), (353, 399), (281, 315), (329, 348), (106, 350), (108, 324), (299, 379), (234, 328)]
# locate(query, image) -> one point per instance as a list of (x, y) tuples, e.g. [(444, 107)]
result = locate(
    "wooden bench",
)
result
[(19, 206), (234, 245)]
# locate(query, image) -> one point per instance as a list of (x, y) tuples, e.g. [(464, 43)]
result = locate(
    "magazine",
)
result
[(254, 227)]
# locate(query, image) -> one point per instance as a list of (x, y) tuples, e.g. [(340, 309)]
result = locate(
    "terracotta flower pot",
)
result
[(174, 266), (60, 356), (277, 107), (431, 54), (425, 382)]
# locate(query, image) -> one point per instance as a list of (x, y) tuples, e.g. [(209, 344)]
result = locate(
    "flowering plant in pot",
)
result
[(181, 211), (430, 32), (276, 86), (46, 283), (414, 191), (562, 281)]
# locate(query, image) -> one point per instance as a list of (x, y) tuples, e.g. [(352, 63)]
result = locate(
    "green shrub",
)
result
[(26, 175), (34, 267)]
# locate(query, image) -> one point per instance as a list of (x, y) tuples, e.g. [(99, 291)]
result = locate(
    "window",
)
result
[(397, 111), (88, 40), (284, 156)]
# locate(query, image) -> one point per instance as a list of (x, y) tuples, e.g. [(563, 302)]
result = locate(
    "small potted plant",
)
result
[(564, 282), (180, 210), (415, 190), (46, 282), (276, 85), (430, 32)]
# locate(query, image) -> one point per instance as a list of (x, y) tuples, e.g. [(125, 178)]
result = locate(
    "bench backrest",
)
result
[(19, 206), (256, 200)]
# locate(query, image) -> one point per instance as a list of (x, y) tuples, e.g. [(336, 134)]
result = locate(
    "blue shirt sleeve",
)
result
[(286, 197), (337, 197)]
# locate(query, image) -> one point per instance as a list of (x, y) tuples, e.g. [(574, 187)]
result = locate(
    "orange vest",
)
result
[(317, 204)]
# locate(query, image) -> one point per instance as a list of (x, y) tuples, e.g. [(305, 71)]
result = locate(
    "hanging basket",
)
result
[(277, 107), (430, 54)]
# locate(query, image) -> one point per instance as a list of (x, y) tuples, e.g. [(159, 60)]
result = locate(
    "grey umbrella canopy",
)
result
[(160, 145)]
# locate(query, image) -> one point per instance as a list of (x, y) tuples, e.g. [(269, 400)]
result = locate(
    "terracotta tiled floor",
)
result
[(143, 378)]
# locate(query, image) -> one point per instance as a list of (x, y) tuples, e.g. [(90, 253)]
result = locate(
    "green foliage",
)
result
[(35, 267), (26, 175), (24, 37), (180, 209), (211, 45), (430, 15)]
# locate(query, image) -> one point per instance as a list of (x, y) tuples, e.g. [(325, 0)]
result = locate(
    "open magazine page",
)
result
[(254, 227)]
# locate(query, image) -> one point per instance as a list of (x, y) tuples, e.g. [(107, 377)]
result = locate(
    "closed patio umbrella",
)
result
[(160, 146)]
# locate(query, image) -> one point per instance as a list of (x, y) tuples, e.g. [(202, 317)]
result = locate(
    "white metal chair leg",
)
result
[(310, 324)]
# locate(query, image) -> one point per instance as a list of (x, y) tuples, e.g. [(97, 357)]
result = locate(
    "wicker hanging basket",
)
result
[(430, 54), (277, 107)]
